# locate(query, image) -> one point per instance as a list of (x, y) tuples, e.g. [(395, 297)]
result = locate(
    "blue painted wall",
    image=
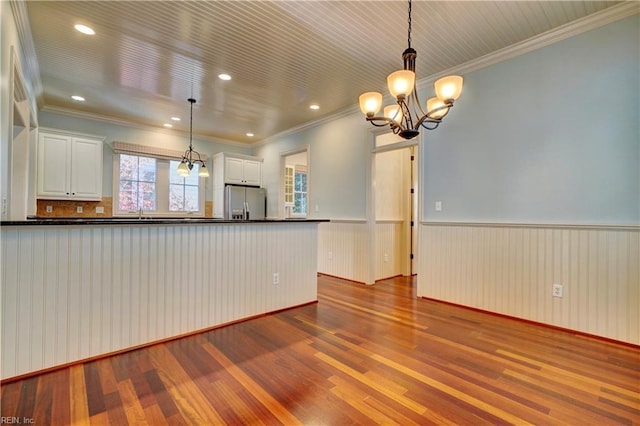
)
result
[(551, 136)]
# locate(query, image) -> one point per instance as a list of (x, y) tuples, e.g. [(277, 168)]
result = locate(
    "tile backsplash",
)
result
[(69, 208)]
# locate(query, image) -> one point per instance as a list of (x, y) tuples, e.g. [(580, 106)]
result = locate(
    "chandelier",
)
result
[(189, 157), (407, 116)]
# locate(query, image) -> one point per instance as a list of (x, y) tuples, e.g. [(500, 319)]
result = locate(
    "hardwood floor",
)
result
[(361, 355)]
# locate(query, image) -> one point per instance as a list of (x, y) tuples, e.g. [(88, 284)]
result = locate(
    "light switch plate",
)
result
[(438, 206)]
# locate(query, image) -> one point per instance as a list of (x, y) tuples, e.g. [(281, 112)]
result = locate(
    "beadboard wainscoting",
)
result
[(390, 249), (343, 249), (75, 292), (511, 270)]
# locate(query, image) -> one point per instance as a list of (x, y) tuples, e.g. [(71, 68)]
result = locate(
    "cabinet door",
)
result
[(86, 167), (54, 167), (233, 170), (252, 172)]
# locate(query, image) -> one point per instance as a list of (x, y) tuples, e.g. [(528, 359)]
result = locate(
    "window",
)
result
[(152, 185), (183, 191), (137, 189), (300, 192)]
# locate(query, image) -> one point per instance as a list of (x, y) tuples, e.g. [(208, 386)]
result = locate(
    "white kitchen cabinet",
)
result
[(69, 166), (235, 169), (242, 171)]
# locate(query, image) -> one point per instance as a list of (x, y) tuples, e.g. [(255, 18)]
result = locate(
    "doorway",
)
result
[(394, 206), (294, 184)]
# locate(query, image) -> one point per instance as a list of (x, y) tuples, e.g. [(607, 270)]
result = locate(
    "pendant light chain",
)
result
[(191, 101), (409, 22)]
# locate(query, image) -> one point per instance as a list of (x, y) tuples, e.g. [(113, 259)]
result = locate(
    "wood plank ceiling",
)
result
[(148, 57)]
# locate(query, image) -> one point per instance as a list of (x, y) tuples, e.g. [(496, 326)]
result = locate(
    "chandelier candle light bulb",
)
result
[(436, 108), (449, 88), (401, 83), (392, 112), (370, 103), (406, 118)]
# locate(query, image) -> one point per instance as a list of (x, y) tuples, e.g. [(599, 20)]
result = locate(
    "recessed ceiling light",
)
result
[(250, 135), (84, 29), (77, 98), (225, 77), (175, 118), (314, 106), (167, 125)]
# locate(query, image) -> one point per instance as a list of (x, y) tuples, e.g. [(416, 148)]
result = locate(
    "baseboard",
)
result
[(144, 345), (537, 323)]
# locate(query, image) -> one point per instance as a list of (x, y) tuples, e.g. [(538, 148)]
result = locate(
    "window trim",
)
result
[(162, 173)]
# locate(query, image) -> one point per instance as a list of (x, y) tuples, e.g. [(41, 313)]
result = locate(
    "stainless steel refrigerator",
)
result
[(244, 203)]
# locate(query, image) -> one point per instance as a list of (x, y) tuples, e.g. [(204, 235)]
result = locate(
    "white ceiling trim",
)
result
[(579, 26)]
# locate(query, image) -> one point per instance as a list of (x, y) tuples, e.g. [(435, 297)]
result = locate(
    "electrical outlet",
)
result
[(386, 257), (330, 255), (4, 205), (79, 209), (99, 210), (49, 209), (276, 278), (557, 290)]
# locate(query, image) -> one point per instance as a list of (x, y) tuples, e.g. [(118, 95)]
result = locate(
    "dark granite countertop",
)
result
[(38, 221)]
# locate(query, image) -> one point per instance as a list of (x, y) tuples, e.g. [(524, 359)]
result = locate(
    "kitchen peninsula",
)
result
[(74, 289)]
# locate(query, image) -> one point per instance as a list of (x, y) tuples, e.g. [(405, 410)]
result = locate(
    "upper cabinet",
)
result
[(237, 169), (69, 166)]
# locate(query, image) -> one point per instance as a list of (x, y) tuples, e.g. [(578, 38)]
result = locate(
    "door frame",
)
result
[(283, 156), (371, 205)]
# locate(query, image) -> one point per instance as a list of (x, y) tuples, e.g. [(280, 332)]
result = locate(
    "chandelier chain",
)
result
[(191, 101), (409, 27)]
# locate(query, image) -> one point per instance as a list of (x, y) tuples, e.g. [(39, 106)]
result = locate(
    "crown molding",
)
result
[(579, 26), (308, 125), (30, 68), (126, 123), (571, 29)]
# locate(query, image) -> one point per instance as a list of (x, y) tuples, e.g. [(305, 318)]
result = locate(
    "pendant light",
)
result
[(188, 159), (407, 116)]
